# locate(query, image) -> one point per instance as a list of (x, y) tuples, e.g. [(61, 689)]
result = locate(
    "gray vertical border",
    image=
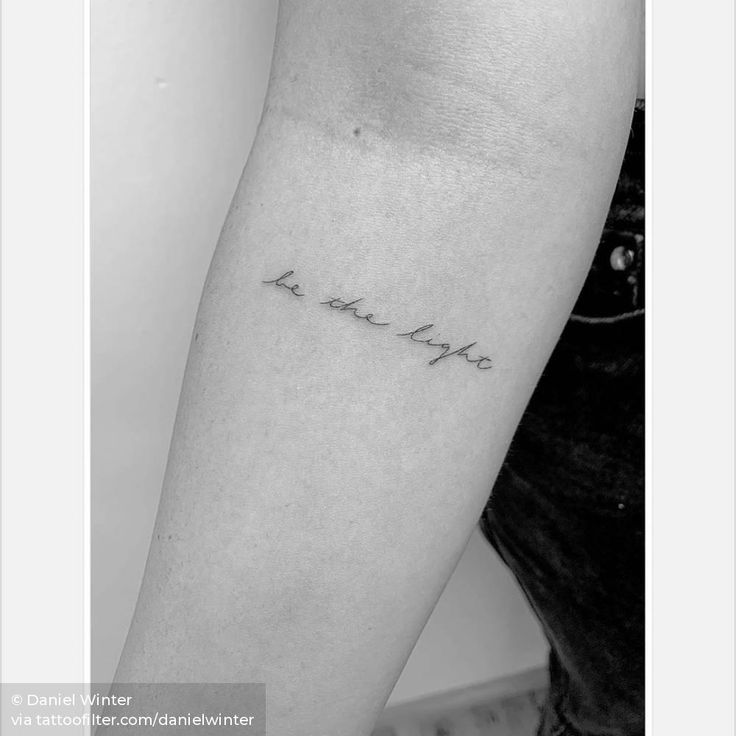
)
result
[(43, 336)]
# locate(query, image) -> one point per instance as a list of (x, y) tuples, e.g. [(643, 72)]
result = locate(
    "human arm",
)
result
[(448, 166)]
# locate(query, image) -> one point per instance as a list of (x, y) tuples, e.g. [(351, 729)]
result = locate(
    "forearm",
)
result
[(446, 168)]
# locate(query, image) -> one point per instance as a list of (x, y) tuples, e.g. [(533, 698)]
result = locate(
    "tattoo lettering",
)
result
[(343, 306), (281, 281), (425, 334), (447, 351)]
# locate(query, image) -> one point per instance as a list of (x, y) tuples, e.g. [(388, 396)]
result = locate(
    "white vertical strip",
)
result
[(42, 341), (87, 610), (691, 208)]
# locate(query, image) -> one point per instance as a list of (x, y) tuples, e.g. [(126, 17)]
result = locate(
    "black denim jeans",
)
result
[(567, 510)]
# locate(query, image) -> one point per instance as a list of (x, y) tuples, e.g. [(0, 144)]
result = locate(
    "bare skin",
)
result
[(425, 163)]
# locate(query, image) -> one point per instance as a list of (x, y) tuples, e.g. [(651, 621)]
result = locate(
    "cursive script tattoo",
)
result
[(281, 281), (418, 335), (421, 334), (343, 306)]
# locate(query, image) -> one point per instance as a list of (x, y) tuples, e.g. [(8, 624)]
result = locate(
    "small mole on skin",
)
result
[(356, 132)]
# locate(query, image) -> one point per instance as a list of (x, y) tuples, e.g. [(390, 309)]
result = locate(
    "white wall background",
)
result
[(177, 88)]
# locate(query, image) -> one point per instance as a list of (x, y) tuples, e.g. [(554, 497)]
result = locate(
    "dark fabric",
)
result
[(567, 510), (608, 291)]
